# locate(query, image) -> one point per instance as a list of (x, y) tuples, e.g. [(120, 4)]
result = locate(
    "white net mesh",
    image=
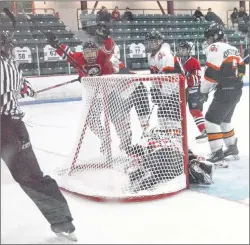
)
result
[(131, 140)]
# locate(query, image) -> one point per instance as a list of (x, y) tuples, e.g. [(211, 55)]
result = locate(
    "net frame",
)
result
[(131, 79)]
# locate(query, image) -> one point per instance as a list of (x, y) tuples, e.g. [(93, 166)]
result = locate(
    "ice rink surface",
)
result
[(215, 214)]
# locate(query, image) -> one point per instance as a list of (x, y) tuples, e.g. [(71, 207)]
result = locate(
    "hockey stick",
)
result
[(58, 46), (58, 85), (12, 19)]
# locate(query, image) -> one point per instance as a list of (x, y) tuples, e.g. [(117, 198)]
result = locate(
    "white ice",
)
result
[(189, 217)]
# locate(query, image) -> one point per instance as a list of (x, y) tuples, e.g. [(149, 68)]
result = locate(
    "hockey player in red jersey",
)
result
[(192, 70), (95, 60)]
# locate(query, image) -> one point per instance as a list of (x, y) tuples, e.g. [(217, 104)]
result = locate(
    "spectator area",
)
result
[(27, 35), (175, 28)]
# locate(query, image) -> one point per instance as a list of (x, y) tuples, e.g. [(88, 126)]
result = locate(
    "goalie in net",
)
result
[(156, 160)]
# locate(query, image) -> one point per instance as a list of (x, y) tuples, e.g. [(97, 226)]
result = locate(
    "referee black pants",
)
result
[(17, 153)]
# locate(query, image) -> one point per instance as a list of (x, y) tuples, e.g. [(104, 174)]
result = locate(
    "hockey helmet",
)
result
[(214, 33), (90, 51), (184, 50), (153, 41), (7, 44)]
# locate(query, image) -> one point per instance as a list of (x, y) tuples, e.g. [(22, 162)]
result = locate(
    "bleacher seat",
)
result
[(44, 17), (174, 28)]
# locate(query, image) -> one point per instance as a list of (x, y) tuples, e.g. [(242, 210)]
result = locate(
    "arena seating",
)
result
[(27, 35), (175, 28)]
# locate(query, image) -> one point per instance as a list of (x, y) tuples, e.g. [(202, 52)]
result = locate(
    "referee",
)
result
[(16, 149)]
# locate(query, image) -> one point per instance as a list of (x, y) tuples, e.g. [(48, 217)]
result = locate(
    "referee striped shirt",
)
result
[(13, 87)]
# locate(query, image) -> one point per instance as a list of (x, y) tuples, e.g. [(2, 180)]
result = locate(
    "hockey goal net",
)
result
[(131, 141)]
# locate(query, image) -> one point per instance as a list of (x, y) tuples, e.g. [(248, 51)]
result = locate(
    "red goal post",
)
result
[(107, 110)]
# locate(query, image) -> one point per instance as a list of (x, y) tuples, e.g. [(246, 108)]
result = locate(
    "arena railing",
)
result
[(134, 11), (36, 11)]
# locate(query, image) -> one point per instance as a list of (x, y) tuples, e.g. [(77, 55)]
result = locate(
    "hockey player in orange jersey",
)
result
[(224, 72)]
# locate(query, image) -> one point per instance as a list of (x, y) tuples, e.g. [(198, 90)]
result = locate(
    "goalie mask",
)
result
[(214, 33), (90, 52), (7, 45), (184, 50), (153, 41)]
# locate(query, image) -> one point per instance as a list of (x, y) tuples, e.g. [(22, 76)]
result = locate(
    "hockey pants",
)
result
[(17, 153)]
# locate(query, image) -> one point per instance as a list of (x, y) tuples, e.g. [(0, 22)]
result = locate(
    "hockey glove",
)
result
[(203, 97), (52, 40), (102, 33)]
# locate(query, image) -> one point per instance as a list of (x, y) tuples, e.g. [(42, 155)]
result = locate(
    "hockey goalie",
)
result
[(156, 159)]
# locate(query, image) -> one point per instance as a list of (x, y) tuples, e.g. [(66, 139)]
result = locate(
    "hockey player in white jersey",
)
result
[(224, 71), (160, 58), (162, 61)]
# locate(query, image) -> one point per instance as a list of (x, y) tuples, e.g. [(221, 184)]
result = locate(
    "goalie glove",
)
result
[(200, 172)]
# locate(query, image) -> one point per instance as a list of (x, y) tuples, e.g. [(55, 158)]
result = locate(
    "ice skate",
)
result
[(232, 151), (65, 230), (202, 137), (217, 158)]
